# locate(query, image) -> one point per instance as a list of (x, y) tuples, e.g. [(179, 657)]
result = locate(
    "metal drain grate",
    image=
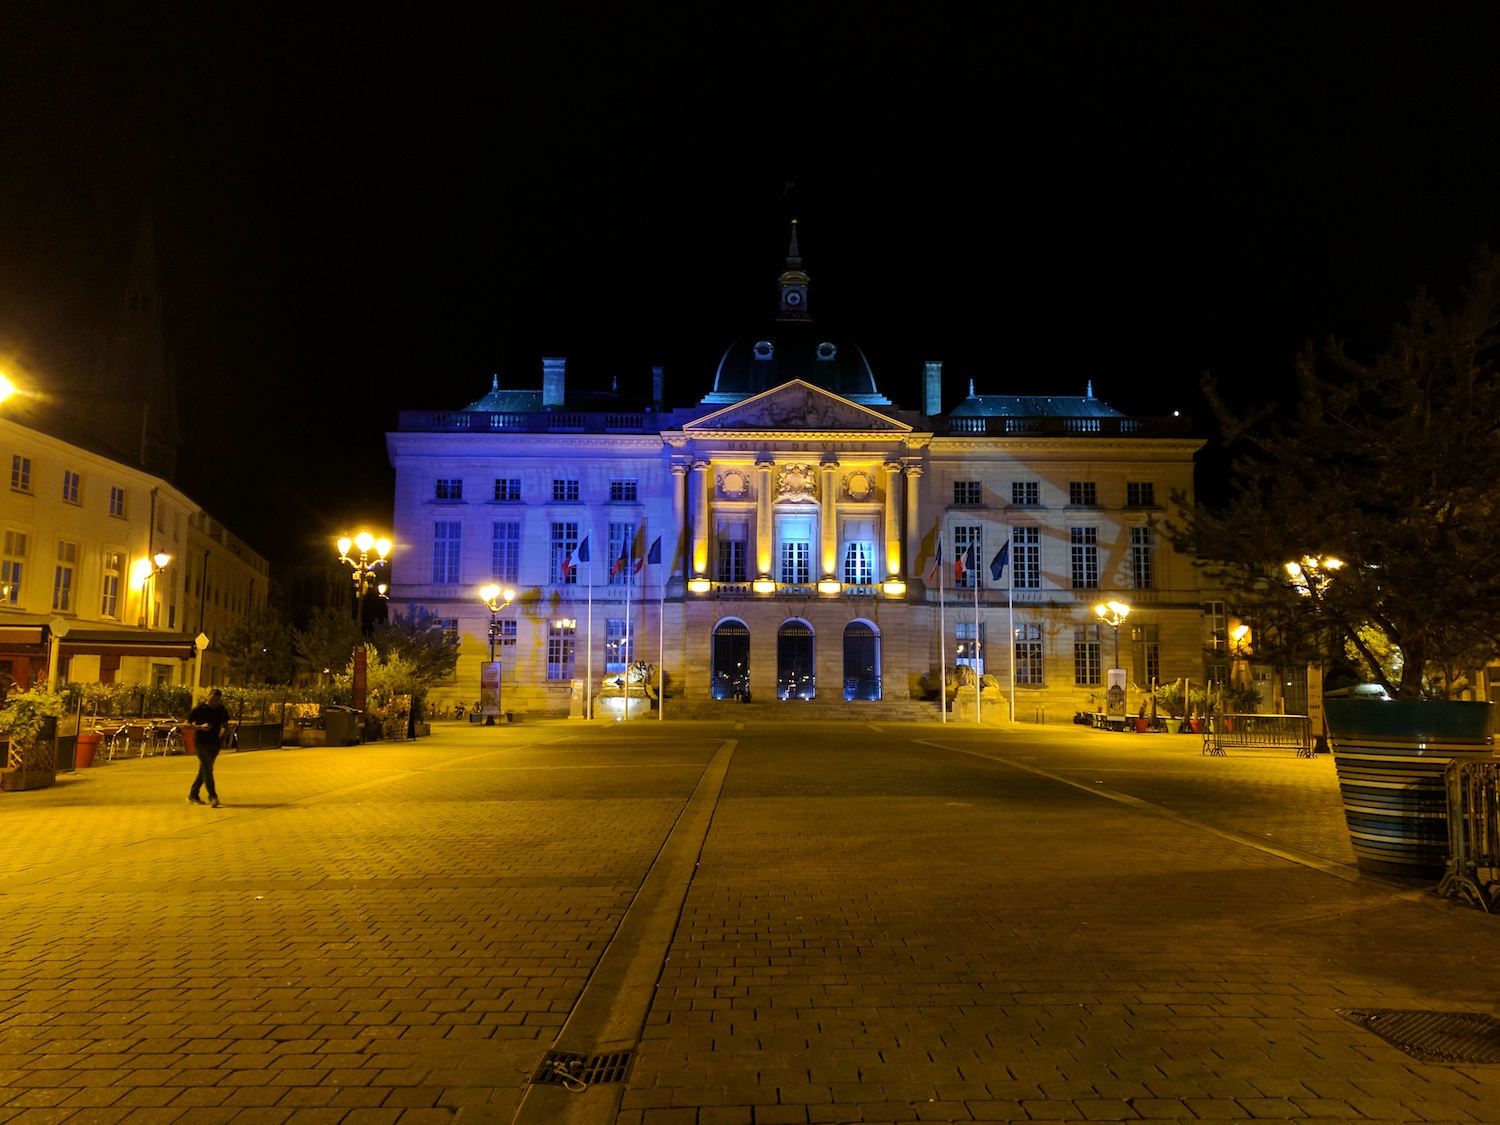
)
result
[(1443, 1037), (577, 1071)]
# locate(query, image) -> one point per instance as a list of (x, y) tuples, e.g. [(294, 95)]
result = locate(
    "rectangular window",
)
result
[(564, 541), (1140, 494), (965, 536), (969, 645), (114, 564), (505, 551), (507, 488), (859, 553), (117, 502), (1025, 493), (622, 553), (1215, 627), (1029, 655), (20, 473), (967, 493), (10, 567), (1145, 651), (70, 487), (560, 642), (1026, 557), (447, 537), (450, 488), (1087, 654), (1084, 551), (171, 578), (622, 490), (734, 545), (618, 650), (62, 577), (565, 488), (1141, 576), (1083, 494), (796, 551), (505, 634)]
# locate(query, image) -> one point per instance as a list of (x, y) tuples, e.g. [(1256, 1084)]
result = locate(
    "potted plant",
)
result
[(1170, 698), (28, 720)]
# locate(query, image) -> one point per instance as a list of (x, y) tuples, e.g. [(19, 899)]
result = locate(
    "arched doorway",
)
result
[(796, 666), (730, 674), (861, 661)]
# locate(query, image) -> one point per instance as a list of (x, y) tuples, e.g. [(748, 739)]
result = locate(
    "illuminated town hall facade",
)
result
[(798, 539)]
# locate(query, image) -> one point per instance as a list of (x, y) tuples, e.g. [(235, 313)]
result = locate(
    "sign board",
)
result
[(1114, 694), (489, 688)]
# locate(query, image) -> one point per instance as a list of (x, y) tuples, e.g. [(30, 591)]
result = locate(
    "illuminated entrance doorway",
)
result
[(861, 661), (796, 670), (730, 674)]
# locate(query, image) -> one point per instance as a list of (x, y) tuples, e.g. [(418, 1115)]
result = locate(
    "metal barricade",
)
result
[(1473, 869), (1288, 732)]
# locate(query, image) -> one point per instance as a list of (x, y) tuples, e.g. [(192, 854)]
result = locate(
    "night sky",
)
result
[(376, 208)]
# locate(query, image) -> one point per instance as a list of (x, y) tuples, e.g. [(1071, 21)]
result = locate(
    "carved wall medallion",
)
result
[(859, 485), (734, 484), (796, 482)]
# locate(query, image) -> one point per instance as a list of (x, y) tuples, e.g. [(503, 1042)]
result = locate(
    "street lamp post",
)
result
[(1113, 614), (364, 566), (497, 599)]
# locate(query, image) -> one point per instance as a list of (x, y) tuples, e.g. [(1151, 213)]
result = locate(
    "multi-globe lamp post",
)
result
[(364, 566), (1113, 613), (491, 676), (364, 578)]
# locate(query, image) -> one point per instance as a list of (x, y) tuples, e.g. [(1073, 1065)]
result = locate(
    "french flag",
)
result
[(580, 554), (964, 562)]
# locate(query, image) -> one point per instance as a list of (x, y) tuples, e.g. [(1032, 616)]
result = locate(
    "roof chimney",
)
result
[(932, 388), (554, 383), (656, 389)]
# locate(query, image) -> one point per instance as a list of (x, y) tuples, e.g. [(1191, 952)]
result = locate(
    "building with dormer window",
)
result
[(798, 538)]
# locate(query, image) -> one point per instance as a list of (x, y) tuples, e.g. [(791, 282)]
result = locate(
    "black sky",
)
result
[(365, 209)]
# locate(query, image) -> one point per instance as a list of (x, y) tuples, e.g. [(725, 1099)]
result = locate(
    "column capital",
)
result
[(913, 470), (702, 465), (892, 466)]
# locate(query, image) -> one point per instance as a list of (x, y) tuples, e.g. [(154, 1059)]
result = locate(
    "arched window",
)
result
[(861, 661), (796, 664), (730, 674)]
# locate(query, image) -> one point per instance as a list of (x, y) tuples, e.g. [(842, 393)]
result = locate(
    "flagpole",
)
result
[(978, 651), (661, 647), (1010, 605), (942, 633), (588, 642), (629, 578)]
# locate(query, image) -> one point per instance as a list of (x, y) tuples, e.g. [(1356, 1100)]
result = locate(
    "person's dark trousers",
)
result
[(205, 778)]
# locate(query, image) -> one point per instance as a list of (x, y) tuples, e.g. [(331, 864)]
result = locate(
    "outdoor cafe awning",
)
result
[(98, 642)]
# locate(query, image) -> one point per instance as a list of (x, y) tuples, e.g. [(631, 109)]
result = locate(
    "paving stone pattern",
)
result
[(904, 923)]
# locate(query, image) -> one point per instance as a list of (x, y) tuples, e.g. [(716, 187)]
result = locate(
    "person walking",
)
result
[(210, 723)]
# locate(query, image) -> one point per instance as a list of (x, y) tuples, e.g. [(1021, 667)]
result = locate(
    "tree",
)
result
[(328, 642), (1383, 481), (420, 639), (259, 648)]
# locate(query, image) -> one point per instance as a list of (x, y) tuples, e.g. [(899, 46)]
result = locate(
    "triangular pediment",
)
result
[(796, 406)]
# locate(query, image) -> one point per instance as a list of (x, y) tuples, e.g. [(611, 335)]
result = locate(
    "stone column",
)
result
[(765, 486), (679, 516), (829, 560), (891, 565), (702, 481), (913, 522)]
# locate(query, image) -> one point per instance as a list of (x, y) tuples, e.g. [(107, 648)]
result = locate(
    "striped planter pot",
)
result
[(1390, 758)]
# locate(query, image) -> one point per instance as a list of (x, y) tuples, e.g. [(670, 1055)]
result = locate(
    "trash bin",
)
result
[(341, 726)]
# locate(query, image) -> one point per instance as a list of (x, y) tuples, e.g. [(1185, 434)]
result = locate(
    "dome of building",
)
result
[(786, 350)]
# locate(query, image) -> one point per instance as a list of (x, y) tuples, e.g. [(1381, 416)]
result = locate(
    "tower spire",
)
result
[(793, 282)]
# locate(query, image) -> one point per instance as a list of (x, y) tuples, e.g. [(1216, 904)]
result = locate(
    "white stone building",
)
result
[(797, 515)]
